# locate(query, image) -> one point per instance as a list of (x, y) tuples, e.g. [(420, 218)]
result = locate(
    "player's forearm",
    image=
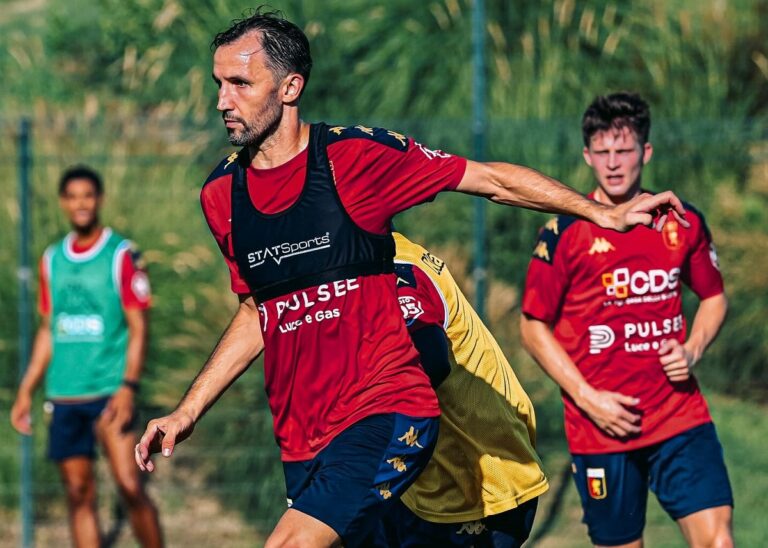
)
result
[(525, 187), (240, 344), (538, 340), (38, 361), (707, 322)]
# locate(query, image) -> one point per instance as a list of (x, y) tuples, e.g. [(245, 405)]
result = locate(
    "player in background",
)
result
[(481, 486), (302, 216), (602, 315), (90, 347)]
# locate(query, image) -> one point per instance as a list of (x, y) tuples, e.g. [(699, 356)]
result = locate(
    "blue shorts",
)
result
[(686, 472), (354, 481), (401, 528), (71, 432)]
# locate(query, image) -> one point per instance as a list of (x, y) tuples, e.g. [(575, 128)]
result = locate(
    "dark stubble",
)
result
[(260, 127)]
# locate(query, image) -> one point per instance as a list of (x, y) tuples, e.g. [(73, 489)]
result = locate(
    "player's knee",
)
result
[(132, 492), (80, 493), (722, 539)]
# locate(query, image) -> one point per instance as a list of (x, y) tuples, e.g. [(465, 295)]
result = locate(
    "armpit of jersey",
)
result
[(549, 237), (391, 139)]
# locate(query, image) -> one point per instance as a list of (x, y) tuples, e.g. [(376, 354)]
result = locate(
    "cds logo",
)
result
[(621, 283), (600, 338)]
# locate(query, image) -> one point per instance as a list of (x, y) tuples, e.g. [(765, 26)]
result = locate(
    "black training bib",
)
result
[(312, 242)]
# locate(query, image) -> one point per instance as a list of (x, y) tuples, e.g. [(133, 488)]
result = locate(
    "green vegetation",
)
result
[(124, 85)]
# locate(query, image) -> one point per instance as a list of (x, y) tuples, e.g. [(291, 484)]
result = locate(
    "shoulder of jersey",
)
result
[(689, 208), (549, 237), (386, 137), (225, 167)]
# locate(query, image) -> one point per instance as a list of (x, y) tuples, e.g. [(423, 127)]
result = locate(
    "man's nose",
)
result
[(224, 102)]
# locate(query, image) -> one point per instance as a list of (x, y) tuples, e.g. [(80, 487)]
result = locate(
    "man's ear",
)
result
[(587, 157), (647, 152), (293, 85)]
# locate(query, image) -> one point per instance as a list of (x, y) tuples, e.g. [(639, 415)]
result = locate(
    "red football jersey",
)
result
[(613, 298), (339, 352)]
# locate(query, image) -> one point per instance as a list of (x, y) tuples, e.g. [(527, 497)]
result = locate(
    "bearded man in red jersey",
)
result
[(302, 215), (602, 314)]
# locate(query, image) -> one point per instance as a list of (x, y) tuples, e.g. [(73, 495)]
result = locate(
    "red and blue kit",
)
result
[(310, 240), (612, 299)]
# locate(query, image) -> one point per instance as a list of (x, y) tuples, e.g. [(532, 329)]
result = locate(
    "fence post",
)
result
[(24, 274), (479, 126)]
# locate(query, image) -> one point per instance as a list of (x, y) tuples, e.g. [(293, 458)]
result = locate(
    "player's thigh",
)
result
[(688, 474), (353, 482), (613, 489)]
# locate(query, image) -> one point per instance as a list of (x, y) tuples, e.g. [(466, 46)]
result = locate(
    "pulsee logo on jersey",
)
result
[(286, 250), (622, 283)]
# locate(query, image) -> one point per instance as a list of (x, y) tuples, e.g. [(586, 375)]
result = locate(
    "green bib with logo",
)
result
[(88, 327)]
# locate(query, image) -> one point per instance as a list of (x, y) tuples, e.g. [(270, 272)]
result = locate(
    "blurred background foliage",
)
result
[(125, 85)]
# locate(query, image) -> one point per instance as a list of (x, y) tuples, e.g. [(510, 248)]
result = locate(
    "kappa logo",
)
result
[(552, 225), (596, 483), (601, 245), (471, 528), (286, 250), (384, 490), (231, 158), (600, 338), (542, 251)]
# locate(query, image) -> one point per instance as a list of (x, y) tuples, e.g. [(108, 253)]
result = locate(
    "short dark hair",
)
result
[(285, 44), (80, 172), (617, 110)]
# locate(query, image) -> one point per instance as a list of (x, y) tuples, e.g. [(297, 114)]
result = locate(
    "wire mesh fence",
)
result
[(224, 486)]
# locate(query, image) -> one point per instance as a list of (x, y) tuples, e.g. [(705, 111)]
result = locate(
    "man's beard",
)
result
[(256, 131)]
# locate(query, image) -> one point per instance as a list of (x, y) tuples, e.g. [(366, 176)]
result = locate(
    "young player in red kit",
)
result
[(602, 314), (302, 216)]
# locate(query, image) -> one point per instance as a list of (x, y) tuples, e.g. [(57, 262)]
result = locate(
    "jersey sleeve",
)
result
[(44, 292), (216, 202), (701, 271), (135, 292), (546, 281), (420, 301), (384, 173)]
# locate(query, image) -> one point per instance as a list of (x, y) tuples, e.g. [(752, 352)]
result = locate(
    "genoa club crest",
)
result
[(596, 483)]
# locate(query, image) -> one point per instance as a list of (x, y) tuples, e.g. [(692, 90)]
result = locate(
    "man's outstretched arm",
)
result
[(240, 344), (521, 186)]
